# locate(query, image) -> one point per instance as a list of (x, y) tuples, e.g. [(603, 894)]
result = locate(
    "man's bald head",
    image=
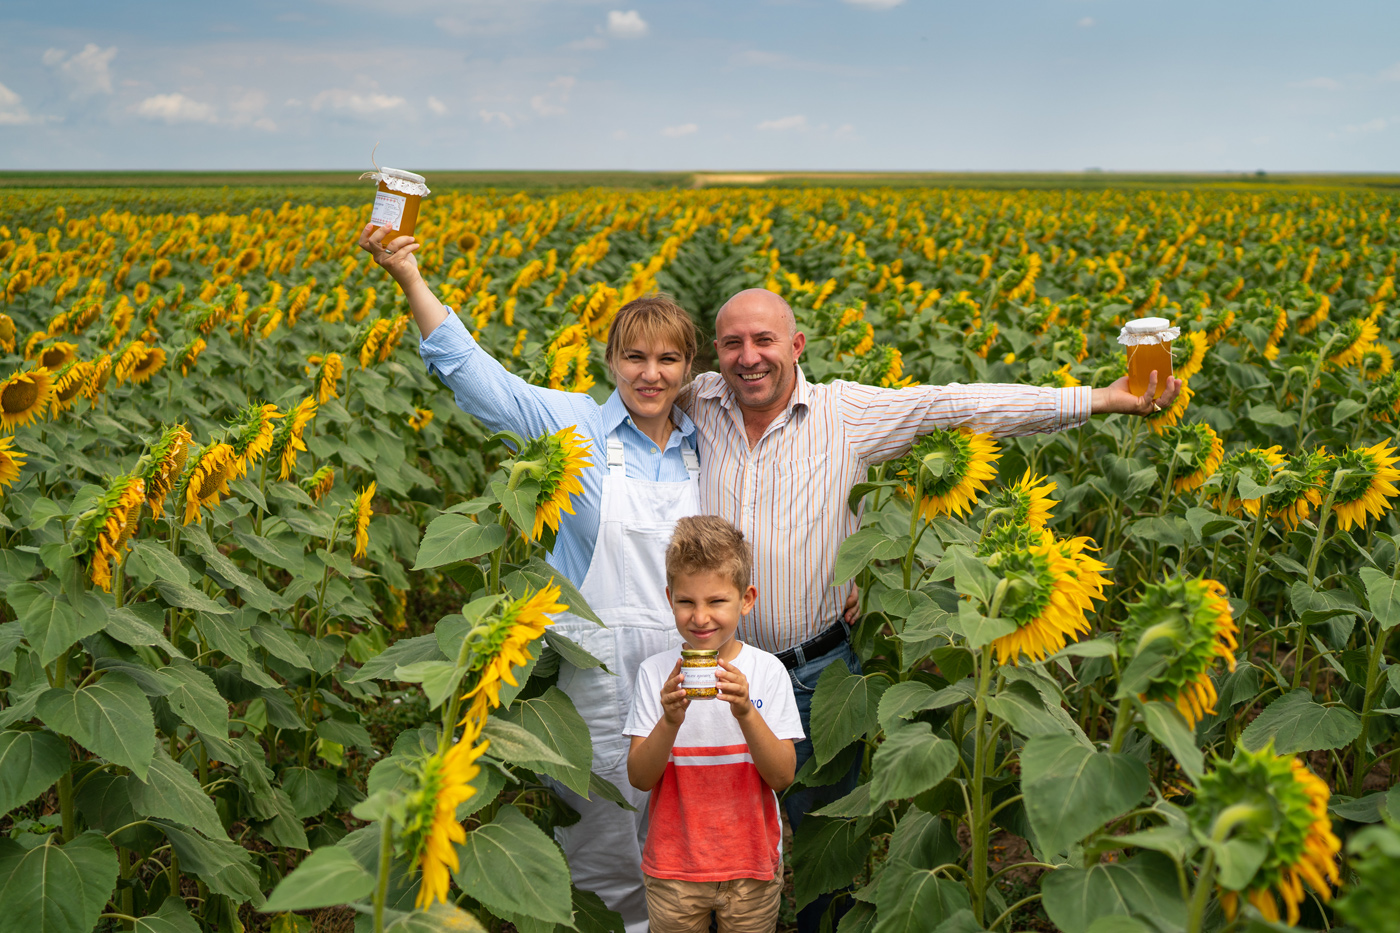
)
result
[(758, 345)]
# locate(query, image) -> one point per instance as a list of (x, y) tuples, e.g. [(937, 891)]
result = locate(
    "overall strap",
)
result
[(692, 460), (617, 464)]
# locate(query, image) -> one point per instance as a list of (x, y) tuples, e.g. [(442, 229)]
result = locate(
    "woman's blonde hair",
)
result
[(652, 319)]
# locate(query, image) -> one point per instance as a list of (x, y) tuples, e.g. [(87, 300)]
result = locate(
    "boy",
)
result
[(713, 769)]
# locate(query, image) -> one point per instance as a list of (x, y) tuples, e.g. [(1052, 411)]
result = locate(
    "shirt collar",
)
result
[(614, 413)]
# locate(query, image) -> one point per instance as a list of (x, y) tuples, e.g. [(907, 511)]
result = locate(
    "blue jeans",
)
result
[(799, 803)]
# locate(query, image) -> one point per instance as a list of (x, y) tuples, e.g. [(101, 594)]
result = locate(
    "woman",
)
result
[(642, 480)]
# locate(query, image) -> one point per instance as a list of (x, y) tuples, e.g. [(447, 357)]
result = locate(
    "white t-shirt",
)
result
[(712, 817)]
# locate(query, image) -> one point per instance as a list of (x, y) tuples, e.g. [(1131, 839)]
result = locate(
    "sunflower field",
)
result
[(274, 616)]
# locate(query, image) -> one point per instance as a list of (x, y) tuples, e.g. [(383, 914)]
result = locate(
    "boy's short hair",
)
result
[(654, 318), (709, 544)]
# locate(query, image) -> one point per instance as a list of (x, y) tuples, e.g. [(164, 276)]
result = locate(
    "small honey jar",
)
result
[(698, 668), (396, 202), (1148, 343)]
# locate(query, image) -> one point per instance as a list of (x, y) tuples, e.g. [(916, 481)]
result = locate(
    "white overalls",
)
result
[(626, 587)]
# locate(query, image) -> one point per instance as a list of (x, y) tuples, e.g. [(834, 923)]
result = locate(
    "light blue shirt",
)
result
[(501, 400)]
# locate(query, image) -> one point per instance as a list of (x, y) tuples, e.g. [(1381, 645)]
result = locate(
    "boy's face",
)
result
[(707, 607)]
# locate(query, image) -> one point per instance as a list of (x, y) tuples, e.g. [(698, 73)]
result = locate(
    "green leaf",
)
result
[(439, 918), (161, 563), (109, 717), (228, 573), (902, 701), (173, 917), (591, 915), (909, 762), (344, 733), (439, 679), (451, 538), (519, 503), (173, 793), (535, 575), (279, 644), (856, 803), (56, 888), (970, 575), (130, 629), (1071, 791), (924, 840), (401, 653), (196, 700), (868, 544), (1166, 724), (1296, 724), (1268, 414), (552, 719), (52, 623), (1143, 886), (914, 900), (1383, 593), (328, 877), (827, 854), (844, 707), (222, 864), (30, 762), (510, 865), (184, 596), (976, 628), (1021, 705), (572, 651), (311, 791), (515, 744), (1345, 409)]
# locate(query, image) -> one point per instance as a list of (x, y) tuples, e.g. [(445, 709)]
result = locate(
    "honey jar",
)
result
[(698, 668), (1148, 344), (396, 201)]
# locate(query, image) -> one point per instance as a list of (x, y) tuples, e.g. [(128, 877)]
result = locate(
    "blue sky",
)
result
[(1227, 85)]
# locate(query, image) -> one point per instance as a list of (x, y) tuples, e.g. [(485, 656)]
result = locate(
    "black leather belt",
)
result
[(816, 646)]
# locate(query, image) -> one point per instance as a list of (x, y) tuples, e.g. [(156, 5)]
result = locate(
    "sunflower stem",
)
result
[(915, 508), (1313, 557), (1204, 882), (1167, 488), (1252, 555), (1360, 768), (381, 888), (1308, 388), (978, 798), (1121, 720)]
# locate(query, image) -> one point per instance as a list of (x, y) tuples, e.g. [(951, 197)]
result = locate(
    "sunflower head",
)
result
[(101, 374), (420, 418), (1364, 483), (319, 483), (1044, 595), (430, 831), (160, 469), (24, 397), (1256, 463), (1350, 342), (68, 383), (1171, 639), (1275, 802), (1026, 503), (1302, 477), (364, 511), (1161, 421), (207, 479), (1191, 348), (554, 462), (250, 433), (189, 354), (328, 378), (947, 469), (104, 531), (57, 355), (1198, 451), (500, 642), (11, 461), (287, 440)]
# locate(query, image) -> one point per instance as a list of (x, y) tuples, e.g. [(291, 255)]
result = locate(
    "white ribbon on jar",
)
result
[(398, 180)]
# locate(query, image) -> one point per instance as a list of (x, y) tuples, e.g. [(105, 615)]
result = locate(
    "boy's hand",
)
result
[(733, 689), (674, 702), (395, 256)]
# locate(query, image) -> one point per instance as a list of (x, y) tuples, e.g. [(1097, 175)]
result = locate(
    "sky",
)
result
[(914, 85)]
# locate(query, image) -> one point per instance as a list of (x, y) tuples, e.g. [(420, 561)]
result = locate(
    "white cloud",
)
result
[(551, 102), (1324, 84), (795, 122), (495, 116), (875, 4), (1370, 126), (437, 106), (355, 102), (89, 71), (1392, 73), (12, 109), (588, 44), (676, 132), (619, 135), (176, 108), (1086, 22), (628, 25)]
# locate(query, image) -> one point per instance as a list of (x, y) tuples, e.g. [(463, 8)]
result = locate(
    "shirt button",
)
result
[(653, 450)]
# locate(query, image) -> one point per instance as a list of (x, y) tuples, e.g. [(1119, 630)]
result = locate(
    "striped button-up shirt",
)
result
[(788, 492)]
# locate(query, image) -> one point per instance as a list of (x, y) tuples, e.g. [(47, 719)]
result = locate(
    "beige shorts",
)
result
[(744, 905)]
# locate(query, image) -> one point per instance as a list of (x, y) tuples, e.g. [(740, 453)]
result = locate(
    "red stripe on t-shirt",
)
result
[(740, 749)]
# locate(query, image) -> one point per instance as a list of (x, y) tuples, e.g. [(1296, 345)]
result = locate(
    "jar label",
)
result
[(388, 209), (698, 678)]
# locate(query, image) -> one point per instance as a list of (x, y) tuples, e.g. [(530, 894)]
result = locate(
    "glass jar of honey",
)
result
[(698, 668), (1148, 343), (396, 202)]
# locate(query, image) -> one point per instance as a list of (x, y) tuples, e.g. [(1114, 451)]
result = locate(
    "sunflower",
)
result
[(1185, 625), (1045, 596), (1161, 421), (252, 432), (1060, 378), (1218, 321), (370, 339), (431, 831), (1377, 362), (364, 510), (1021, 277), (1256, 463), (55, 356), (319, 483), (1356, 336), (7, 333), (1276, 334), (1281, 806), (951, 466), (149, 364), (1366, 486), (101, 373), (164, 462), (391, 340), (189, 354), (131, 356), (1027, 503), (24, 397), (1384, 403), (502, 641), (555, 461), (10, 462), (980, 339), (420, 418), (286, 442), (68, 383), (1301, 478), (1310, 321), (207, 480), (1198, 449), (1193, 342), (107, 527), (328, 379)]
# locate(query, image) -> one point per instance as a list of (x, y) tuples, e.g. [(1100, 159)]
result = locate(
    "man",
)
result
[(779, 457)]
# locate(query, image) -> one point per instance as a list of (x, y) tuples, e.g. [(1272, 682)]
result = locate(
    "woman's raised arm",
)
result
[(398, 260)]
